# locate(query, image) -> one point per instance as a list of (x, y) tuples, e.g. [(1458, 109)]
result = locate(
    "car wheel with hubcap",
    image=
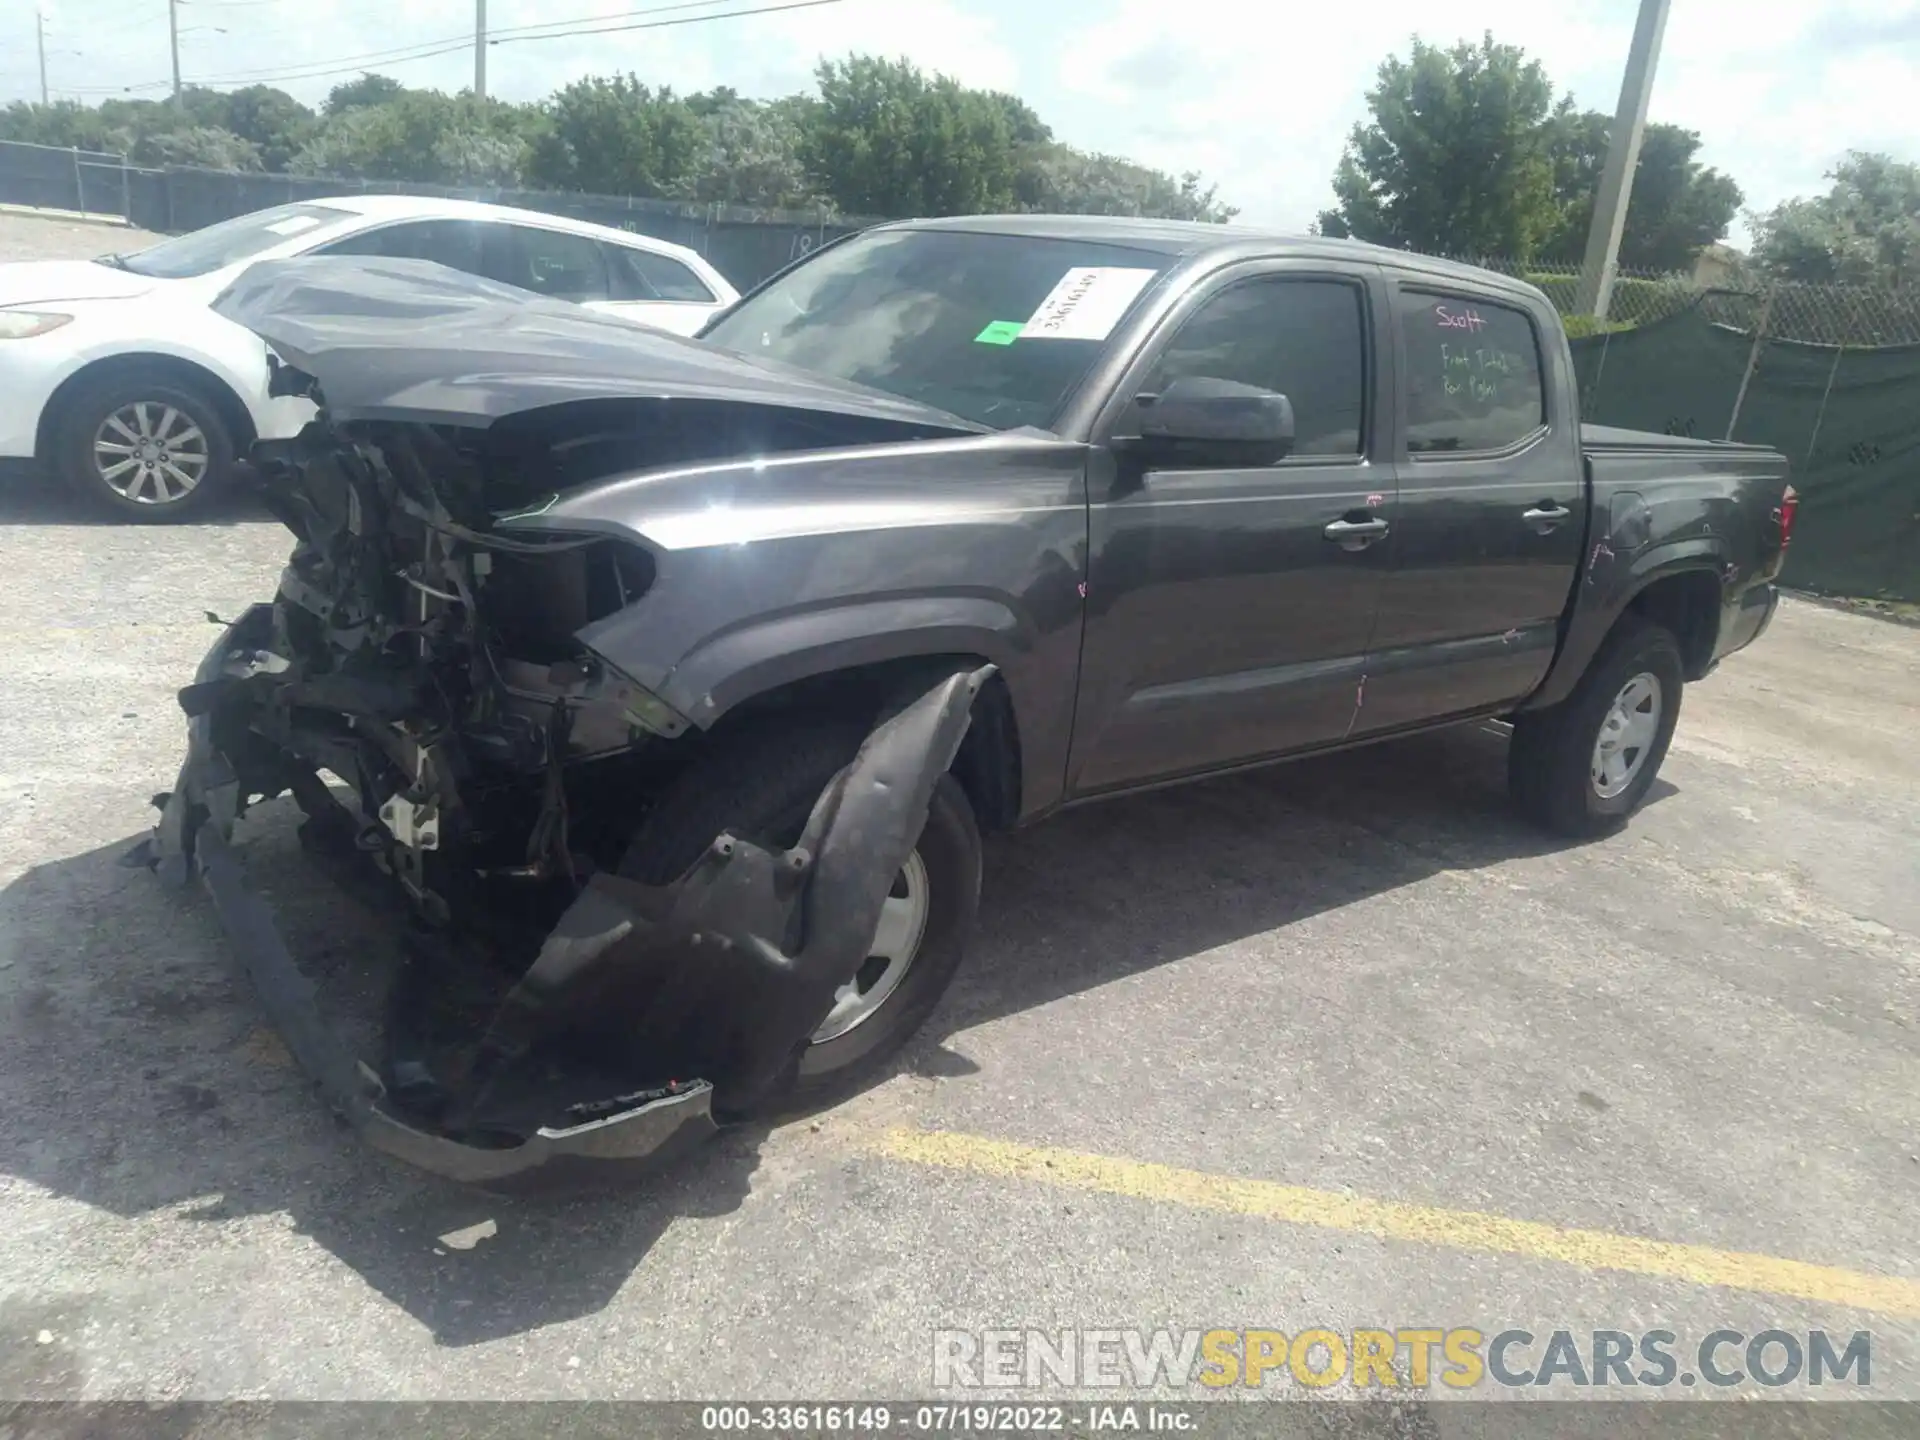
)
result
[(146, 449), (761, 784), (1627, 735), (1581, 767)]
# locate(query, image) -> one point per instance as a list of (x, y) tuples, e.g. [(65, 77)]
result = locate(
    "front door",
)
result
[(1226, 621), (1492, 512)]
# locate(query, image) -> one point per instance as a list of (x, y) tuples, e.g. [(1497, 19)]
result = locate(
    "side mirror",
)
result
[(1198, 419)]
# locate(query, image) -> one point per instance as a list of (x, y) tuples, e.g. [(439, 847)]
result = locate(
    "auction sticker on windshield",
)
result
[(1086, 304)]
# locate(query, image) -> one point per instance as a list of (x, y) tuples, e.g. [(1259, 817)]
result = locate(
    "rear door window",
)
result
[(1473, 374), (643, 275)]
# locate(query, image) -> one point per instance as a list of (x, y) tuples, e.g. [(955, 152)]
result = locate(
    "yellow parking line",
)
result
[(1390, 1220)]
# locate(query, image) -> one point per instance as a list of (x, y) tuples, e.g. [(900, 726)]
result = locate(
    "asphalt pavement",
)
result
[(1337, 1045)]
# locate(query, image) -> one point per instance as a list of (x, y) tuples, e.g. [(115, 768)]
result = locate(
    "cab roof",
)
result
[(1189, 239)]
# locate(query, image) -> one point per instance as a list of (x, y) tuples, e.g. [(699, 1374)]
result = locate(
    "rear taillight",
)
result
[(1789, 507)]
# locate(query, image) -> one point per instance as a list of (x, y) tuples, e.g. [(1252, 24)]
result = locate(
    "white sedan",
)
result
[(116, 375)]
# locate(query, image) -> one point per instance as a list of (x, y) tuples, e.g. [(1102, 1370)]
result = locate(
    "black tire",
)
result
[(761, 785), (1550, 759), (83, 413)]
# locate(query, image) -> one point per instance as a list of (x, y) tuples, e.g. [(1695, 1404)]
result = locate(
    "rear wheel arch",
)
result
[(1680, 591), (1686, 603)]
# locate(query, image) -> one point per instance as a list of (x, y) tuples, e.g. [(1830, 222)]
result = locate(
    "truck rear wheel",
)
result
[(761, 785), (1583, 766)]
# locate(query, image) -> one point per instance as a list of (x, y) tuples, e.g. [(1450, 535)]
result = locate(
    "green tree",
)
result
[(1678, 206), (887, 139), (881, 138), (65, 123), (749, 153), (613, 135), (1864, 231), (359, 94), (271, 120), (1457, 157), (423, 135), (202, 146), (1059, 179)]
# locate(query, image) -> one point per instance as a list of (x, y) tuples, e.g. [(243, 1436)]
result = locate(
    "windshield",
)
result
[(202, 251), (997, 329)]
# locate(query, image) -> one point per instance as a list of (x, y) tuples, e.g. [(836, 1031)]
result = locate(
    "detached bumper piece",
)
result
[(722, 974)]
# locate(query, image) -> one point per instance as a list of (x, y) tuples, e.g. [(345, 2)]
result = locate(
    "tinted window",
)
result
[(1302, 338), (454, 243), (552, 262), (233, 240), (1473, 374), (643, 275), (940, 316)]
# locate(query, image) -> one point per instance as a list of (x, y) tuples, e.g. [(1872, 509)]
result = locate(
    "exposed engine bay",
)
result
[(420, 687)]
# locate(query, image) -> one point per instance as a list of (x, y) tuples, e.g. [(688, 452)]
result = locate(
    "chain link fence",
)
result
[(745, 244), (1840, 315), (49, 177)]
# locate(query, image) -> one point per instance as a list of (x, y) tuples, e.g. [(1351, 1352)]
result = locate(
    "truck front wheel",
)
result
[(1583, 766), (761, 784)]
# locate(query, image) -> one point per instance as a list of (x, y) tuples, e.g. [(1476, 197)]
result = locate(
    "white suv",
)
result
[(116, 375)]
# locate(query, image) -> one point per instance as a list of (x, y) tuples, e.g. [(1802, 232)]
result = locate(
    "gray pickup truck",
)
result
[(666, 686)]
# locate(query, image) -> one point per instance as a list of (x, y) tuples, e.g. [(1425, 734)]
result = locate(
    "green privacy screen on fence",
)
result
[(1848, 418)]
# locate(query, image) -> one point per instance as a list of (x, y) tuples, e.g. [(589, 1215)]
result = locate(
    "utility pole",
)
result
[(40, 33), (173, 44), (1623, 155), (480, 49)]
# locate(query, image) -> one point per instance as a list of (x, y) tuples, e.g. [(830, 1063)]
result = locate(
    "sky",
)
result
[(1257, 94)]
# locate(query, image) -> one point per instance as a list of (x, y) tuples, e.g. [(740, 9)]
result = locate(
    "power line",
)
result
[(430, 49), (419, 50), (424, 49)]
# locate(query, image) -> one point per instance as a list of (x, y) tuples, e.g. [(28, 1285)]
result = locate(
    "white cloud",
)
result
[(1263, 105), (1258, 97)]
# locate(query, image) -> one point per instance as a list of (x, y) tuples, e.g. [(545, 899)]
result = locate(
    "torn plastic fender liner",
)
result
[(736, 962), (192, 838), (729, 969)]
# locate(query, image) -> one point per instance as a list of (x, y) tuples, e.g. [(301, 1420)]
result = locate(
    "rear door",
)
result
[(1224, 623), (1492, 509)]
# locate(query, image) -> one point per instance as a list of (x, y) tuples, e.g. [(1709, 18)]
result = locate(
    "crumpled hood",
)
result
[(46, 282), (411, 340)]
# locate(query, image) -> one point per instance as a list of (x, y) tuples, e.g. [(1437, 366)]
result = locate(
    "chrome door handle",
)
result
[(1545, 518), (1355, 534)]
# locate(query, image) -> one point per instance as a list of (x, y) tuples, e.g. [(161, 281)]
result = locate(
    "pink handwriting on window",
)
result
[(1449, 320)]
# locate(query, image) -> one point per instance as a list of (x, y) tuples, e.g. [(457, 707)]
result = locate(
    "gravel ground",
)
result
[(1357, 977), (26, 236)]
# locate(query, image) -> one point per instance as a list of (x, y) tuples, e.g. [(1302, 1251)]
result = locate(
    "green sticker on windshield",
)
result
[(1000, 332)]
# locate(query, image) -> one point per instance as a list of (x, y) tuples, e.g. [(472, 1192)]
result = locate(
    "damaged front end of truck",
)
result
[(424, 685)]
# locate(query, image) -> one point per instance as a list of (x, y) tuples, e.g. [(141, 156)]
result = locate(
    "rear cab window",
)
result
[(1473, 373)]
